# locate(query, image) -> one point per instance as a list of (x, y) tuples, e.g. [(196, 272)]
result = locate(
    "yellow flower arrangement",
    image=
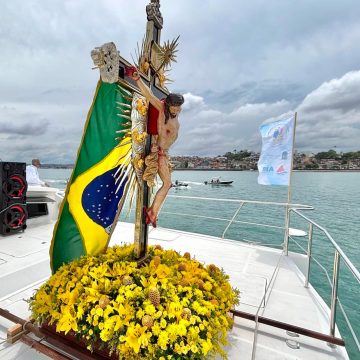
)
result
[(174, 308), (141, 107)]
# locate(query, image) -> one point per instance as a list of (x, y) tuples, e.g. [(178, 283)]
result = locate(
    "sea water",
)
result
[(335, 197)]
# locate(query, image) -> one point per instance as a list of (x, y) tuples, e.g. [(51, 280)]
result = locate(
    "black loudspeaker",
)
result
[(13, 213)]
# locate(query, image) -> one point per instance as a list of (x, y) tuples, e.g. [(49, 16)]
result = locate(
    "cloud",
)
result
[(42, 130), (233, 76), (207, 131), (341, 94), (192, 102), (328, 117), (49, 150), (264, 91), (27, 129), (15, 121)]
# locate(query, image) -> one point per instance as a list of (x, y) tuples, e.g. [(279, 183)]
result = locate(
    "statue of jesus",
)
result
[(167, 133)]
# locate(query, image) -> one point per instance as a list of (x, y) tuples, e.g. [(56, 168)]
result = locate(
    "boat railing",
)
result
[(339, 255), (289, 209), (233, 219)]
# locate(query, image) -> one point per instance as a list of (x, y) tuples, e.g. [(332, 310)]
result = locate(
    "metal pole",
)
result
[(286, 236), (287, 214), (58, 342), (230, 221), (334, 293), (289, 327), (309, 250), (46, 350)]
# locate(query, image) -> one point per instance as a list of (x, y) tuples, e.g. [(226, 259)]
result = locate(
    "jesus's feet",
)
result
[(150, 217)]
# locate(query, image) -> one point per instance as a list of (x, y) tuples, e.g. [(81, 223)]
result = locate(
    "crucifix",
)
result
[(150, 74), (152, 115)]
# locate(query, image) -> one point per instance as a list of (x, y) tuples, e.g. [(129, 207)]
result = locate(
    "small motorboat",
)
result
[(179, 184), (218, 181)]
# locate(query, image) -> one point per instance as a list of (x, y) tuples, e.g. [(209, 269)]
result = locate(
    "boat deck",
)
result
[(24, 265)]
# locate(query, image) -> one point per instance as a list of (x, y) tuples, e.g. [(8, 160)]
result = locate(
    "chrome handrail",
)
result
[(297, 206), (263, 299), (334, 292), (309, 252), (232, 219), (336, 246), (330, 283), (224, 219), (339, 254), (243, 202)]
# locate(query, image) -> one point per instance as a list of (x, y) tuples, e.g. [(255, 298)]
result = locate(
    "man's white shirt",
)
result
[(32, 176)]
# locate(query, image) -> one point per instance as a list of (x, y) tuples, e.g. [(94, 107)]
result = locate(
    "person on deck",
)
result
[(32, 174), (167, 133)]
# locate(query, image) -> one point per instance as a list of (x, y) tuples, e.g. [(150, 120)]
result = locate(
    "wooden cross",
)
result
[(152, 39)]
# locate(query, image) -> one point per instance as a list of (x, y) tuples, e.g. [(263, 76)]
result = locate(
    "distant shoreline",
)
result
[(297, 170), (323, 170), (197, 169)]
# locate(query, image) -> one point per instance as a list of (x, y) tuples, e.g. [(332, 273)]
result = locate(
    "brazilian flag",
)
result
[(88, 212)]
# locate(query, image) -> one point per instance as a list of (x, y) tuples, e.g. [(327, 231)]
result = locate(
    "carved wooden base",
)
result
[(79, 345)]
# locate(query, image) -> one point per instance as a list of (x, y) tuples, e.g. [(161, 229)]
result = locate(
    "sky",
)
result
[(240, 63)]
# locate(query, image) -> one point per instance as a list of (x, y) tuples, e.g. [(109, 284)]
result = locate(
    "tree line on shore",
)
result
[(330, 154)]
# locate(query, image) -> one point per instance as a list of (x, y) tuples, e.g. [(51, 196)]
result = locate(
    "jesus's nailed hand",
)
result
[(132, 72)]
